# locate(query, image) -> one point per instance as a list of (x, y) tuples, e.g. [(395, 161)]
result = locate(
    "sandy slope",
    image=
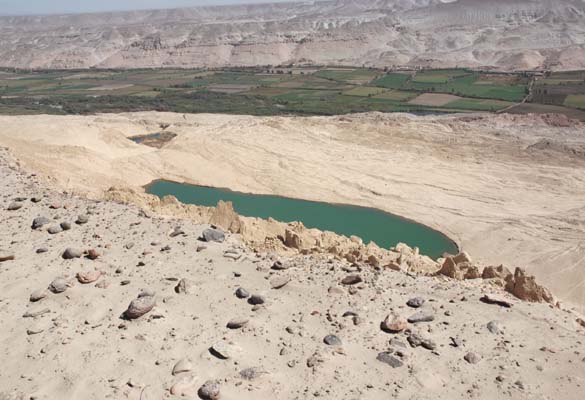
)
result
[(74, 345), (476, 178)]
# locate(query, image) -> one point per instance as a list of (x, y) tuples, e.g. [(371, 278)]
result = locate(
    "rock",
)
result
[(416, 340), (176, 232), (252, 373), (182, 287), (39, 222), (279, 266), (462, 257), (146, 293), (237, 323), (92, 254), (15, 206), (38, 295), (42, 250), (279, 281), (332, 340), (581, 322), (256, 299), (6, 256), (225, 217), (209, 390), (500, 272), (59, 285), (222, 350), (82, 219), (351, 280), (415, 302), (494, 327), (65, 226), (140, 306), (129, 246), (242, 293), (71, 253), (36, 199), (388, 358), (472, 358), (213, 235), (232, 254), (459, 271), (53, 230), (292, 239), (421, 316), (181, 366), (394, 323), (88, 276), (525, 288), (496, 299)]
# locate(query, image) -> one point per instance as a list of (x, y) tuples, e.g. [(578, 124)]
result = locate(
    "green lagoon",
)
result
[(383, 228)]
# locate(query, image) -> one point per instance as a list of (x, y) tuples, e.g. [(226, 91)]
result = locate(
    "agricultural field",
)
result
[(297, 91)]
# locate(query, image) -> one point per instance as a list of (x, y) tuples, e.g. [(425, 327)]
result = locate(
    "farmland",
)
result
[(281, 91)]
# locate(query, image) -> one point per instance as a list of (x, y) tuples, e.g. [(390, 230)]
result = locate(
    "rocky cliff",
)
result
[(495, 33)]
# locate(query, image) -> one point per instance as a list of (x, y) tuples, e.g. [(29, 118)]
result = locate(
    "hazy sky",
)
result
[(18, 7)]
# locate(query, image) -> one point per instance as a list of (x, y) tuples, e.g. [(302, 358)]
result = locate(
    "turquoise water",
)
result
[(385, 229)]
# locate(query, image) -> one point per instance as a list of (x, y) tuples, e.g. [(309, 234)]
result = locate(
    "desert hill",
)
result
[(500, 34)]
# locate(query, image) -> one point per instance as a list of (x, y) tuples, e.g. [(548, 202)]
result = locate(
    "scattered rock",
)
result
[(416, 340), (421, 316), (472, 358), (6, 256), (209, 390), (213, 235), (88, 276), (415, 302), (182, 287), (279, 266), (222, 350), (494, 327), (256, 299), (71, 253), (459, 271), (140, 306), (39, 222), (394, 323), (242, 293), (176, 232), (92, 254), (65, 226), (82, 219), (332, 340), (38, 295), (351, 280), (495, 299), (53, 230), (279, 281), (59, 285), (181, 366), (42, 250), (252, 373), (15, 206), (388, 358), (237, 323)]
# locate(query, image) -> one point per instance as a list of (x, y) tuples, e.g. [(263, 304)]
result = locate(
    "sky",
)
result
[(28, 7)]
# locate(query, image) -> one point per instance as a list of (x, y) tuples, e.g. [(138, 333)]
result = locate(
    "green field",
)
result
[(275, 91)]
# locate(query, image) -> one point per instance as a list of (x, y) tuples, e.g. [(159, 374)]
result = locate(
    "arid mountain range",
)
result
[(500, 34)]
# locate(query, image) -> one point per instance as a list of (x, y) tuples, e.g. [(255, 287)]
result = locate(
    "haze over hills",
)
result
[(505, 35)]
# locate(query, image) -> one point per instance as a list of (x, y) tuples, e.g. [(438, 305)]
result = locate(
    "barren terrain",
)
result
[(509, 189), (499, 34), (100, 300)]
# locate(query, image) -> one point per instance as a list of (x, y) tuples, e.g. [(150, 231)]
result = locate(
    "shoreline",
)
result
[(453, 242)]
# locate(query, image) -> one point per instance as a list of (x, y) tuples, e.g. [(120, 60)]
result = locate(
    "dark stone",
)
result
[(71, 253), (65, 226), (256, 299), (213, 235), (421, 316), (415, 302), (351, 280), (242, 293), (388, 358), (332, 340), (38, 222)]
